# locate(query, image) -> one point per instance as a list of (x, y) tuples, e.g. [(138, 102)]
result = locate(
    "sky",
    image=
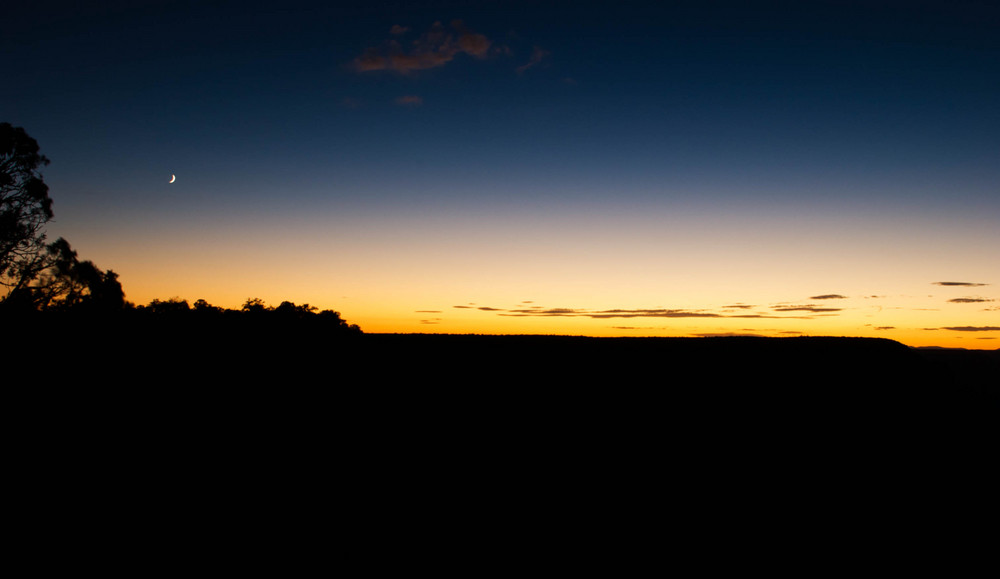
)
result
[(603, 169)]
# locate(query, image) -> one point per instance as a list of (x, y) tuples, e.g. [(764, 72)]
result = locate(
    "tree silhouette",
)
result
[(203, 307), (37, 275), (172, 306), (255, 306), (69, 283), (290, 310), (25, 208)]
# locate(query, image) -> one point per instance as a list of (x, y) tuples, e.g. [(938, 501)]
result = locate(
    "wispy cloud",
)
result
[(538, 311), (429, 321), (973, 328), (537, 55), (605, 314), (471, 42), (658, 313), (829, 297), (960, 283), (436, 47), (805, 308), (969, 300), (409, 101)]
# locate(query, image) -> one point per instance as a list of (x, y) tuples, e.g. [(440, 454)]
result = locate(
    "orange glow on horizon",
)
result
[(582, 273)]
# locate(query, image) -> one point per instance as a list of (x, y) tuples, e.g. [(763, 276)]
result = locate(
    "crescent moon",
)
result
[(173, 178)]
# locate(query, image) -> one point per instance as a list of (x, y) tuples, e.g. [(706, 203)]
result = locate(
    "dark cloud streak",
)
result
[(537, 311), (806, 308)]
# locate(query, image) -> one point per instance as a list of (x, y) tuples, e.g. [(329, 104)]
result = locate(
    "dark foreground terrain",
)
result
[(285, 356), (297, 386), (167, 443), (291, 375)]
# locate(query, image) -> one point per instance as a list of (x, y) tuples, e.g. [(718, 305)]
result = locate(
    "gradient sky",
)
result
[(606, 169)]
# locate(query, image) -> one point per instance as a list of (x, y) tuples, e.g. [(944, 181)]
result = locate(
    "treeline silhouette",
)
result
[(91, 330), (301, 317)]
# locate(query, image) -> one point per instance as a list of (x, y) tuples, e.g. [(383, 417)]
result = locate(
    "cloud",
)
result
[(409, 101), (973, 328), (829, 297), (396, 29), (968, 300), (806, 308), (619, 313), (436, 47), (539, 311), (657, 313), (471, 42), (960, 283), (756, 316), (537, 55), (607, 314)]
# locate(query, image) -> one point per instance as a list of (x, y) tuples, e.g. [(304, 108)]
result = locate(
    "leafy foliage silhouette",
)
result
[(73, 284), (253, 313), (37, 275), (25, 208)]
